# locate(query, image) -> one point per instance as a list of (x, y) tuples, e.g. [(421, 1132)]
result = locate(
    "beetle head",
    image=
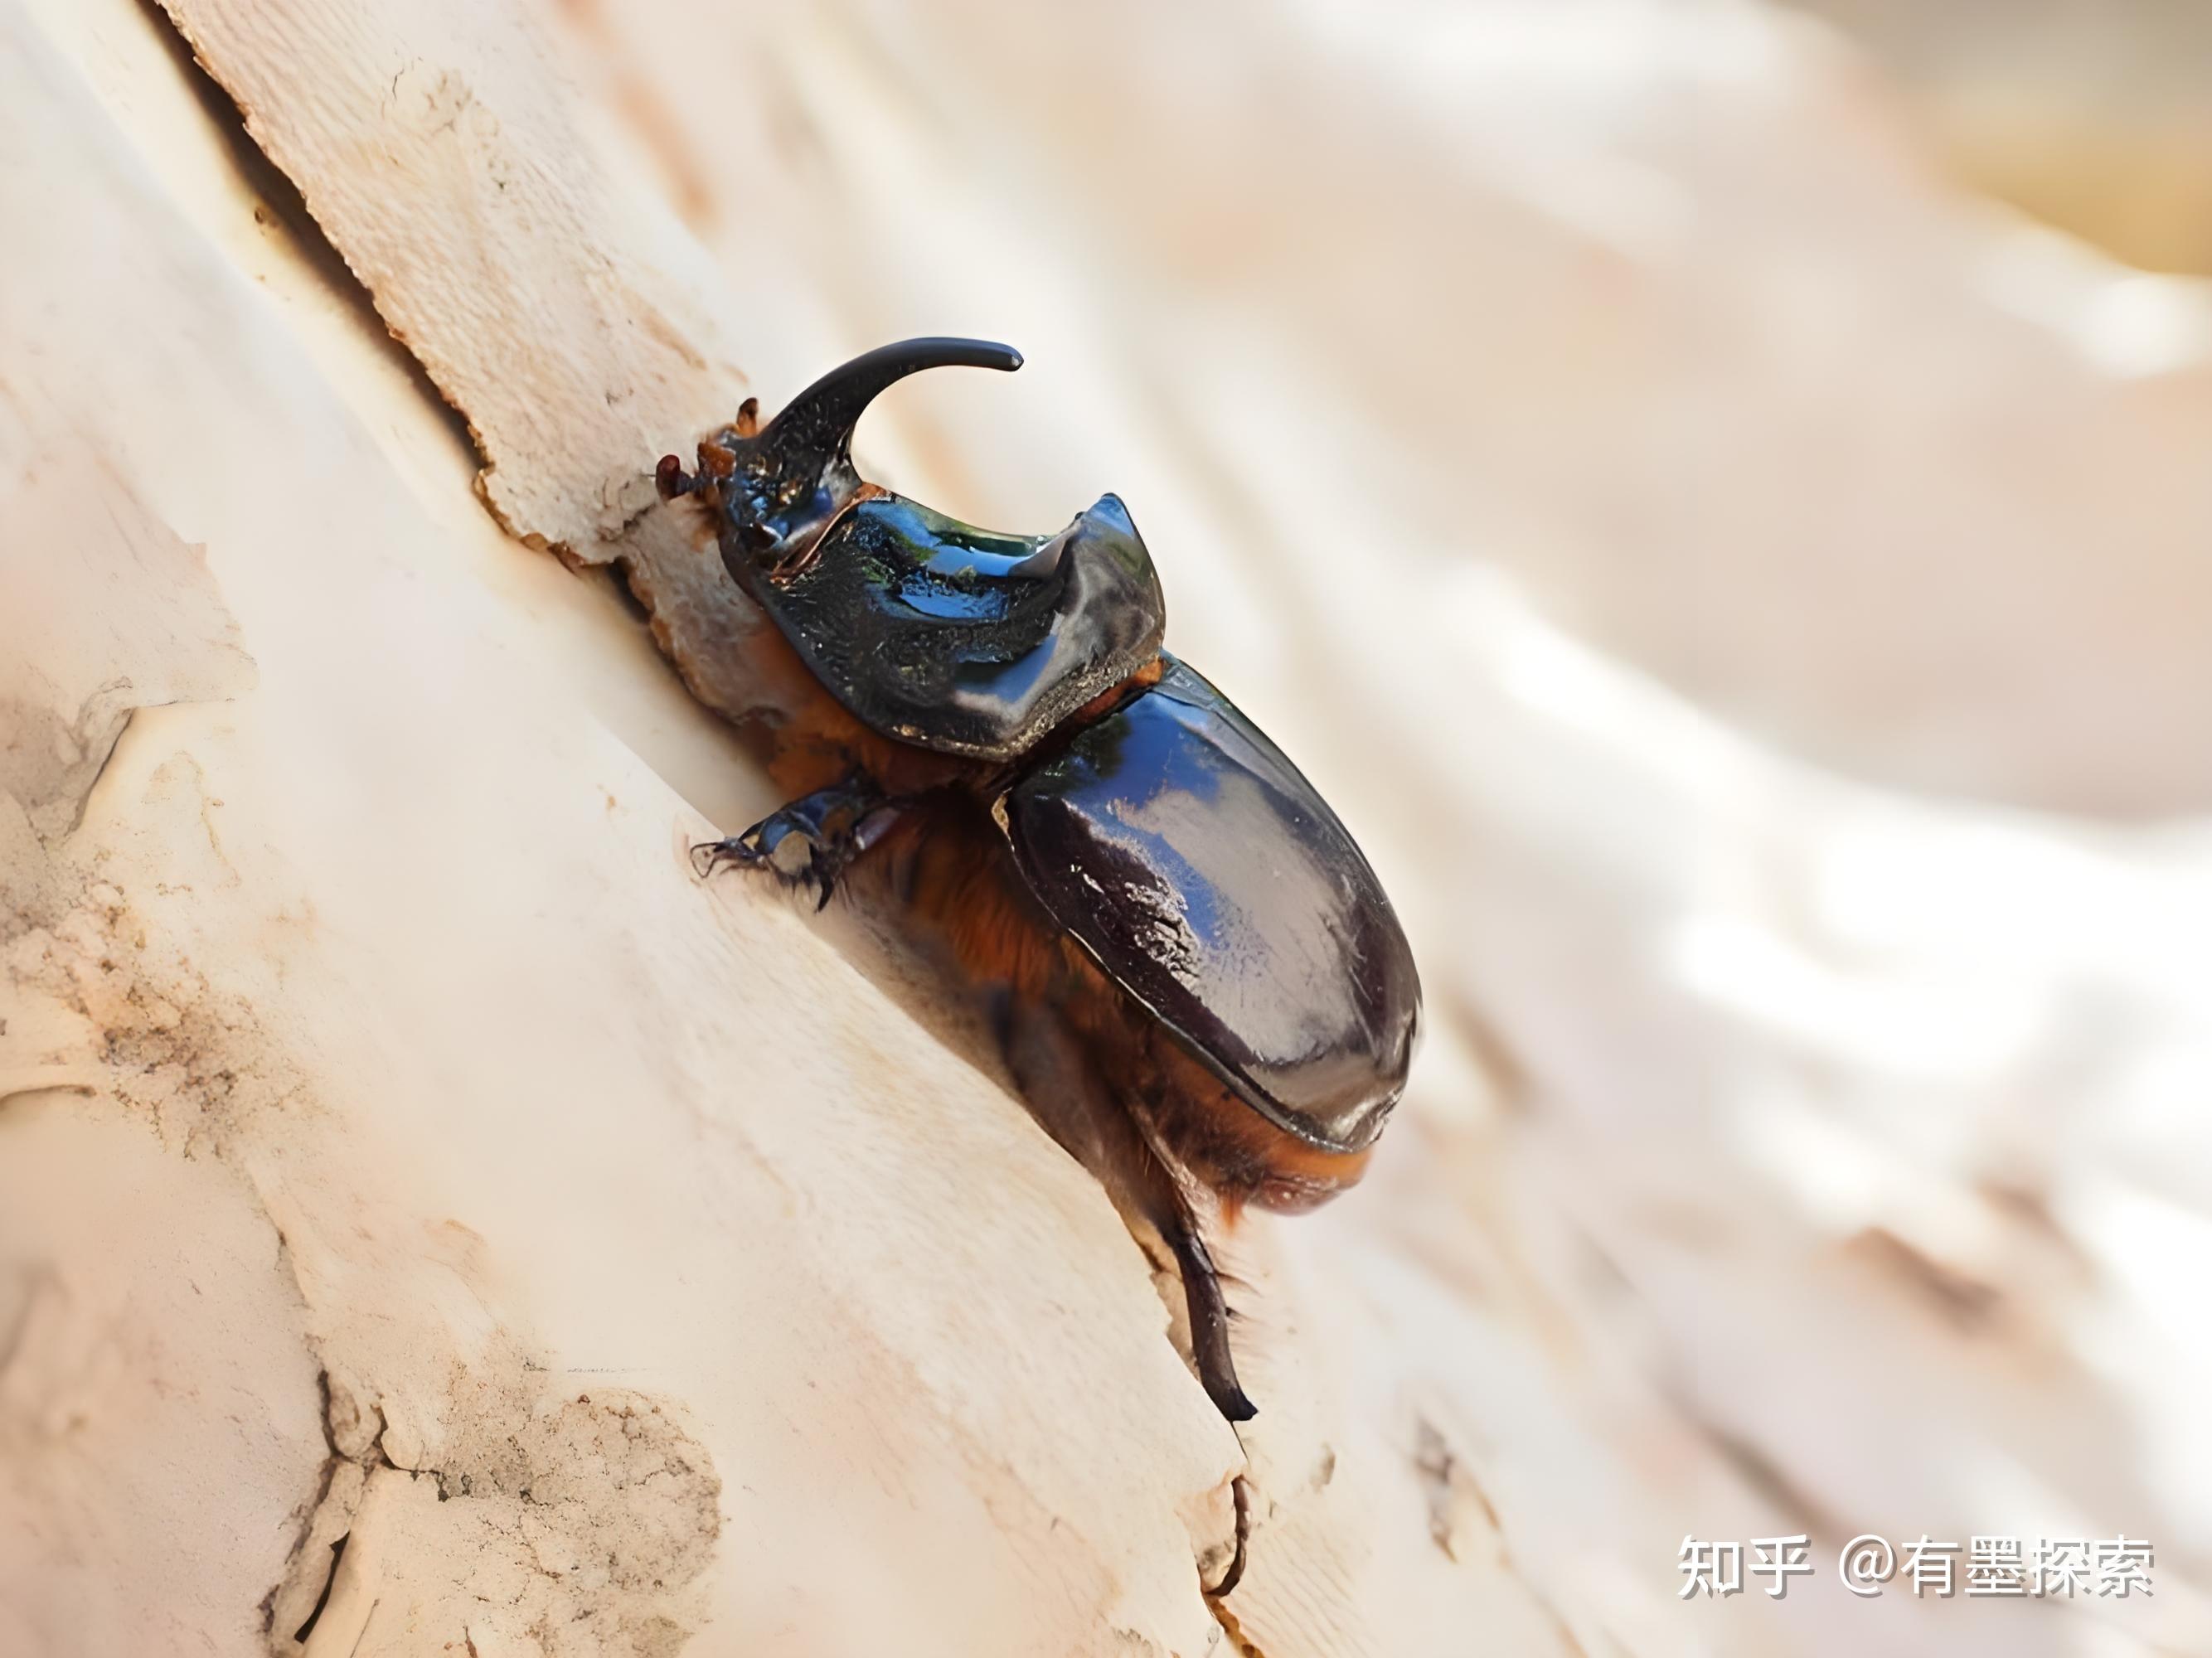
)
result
[(782, 486)]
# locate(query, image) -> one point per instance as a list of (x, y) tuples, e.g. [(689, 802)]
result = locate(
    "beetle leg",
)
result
[(1063, 1089), (835, 825), (1209, 1312)]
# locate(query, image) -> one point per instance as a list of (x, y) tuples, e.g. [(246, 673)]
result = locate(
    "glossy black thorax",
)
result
[(954, 639), (960, 639)]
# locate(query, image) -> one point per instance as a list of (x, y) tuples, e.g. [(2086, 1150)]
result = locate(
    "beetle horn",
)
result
[(779, 486), (813, 433)]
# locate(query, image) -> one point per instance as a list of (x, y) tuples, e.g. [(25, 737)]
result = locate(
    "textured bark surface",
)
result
[(605, 1257), (399, 1147)]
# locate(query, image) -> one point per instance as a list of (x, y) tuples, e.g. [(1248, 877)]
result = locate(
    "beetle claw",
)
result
[(822, 867), (708, 856)]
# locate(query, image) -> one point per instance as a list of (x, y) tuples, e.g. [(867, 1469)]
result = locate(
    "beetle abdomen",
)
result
[(1208, 877)]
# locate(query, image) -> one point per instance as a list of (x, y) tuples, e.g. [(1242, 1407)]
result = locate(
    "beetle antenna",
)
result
[(671, 480)]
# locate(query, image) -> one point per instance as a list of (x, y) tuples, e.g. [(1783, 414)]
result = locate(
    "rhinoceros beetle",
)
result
[(1195, 976)]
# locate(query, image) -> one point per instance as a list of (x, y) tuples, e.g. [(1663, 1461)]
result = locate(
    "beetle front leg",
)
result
[(834, 826)]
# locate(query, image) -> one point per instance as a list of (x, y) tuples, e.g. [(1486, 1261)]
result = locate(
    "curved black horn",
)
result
[(779, 487), (813, 431)]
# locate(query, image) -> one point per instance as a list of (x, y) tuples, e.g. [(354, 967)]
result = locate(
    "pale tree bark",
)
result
[(399, 1148)]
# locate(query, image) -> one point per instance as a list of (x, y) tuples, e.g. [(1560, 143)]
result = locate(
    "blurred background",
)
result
[(1717, 494)]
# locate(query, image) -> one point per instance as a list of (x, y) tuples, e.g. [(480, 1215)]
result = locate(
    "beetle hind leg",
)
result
[(834, 826), (1061, 1083), (1208, 1310)]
